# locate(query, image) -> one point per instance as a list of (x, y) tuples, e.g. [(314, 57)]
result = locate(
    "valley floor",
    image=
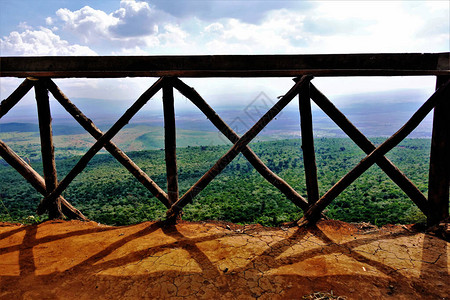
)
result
[(212, 260)]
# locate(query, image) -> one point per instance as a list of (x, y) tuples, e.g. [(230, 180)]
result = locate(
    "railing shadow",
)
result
[(435, 259), (264, 272)]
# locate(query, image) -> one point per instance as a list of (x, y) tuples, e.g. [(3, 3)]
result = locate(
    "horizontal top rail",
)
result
[(385, 64)]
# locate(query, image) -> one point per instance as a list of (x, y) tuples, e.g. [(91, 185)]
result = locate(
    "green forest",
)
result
[(107, 193)]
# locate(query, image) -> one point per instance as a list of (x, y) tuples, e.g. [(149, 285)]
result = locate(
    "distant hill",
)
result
[(19, 127), (375, 114), (58, 129)]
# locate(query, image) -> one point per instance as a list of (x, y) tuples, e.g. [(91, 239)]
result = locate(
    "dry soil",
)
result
[(211, 260)]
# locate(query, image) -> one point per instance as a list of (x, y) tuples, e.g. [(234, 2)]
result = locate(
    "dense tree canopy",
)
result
[(107, 193)]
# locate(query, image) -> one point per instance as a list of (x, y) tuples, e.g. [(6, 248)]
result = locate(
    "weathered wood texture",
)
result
[(47, 149), (439, 175), (120, 156), (248, 153), (367, 146), (234, 66), (35, 179), (15, 97), (170, 145), (314, 211), (388, 64), (309, 157), (84, 160), (236, 149)]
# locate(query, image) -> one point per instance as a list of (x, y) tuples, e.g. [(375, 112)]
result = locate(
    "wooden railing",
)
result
[(39, 71)]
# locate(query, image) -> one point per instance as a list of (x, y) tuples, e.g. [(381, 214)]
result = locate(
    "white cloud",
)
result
[(388, 26), (173, 36), (252, 12), (214, 28), (332, 27), (140, 28), (279, 33), (133, 26), (129, 51), (39, 42), (135, 19), (90, 24), (24, 26), (137, 27), (49, 21)]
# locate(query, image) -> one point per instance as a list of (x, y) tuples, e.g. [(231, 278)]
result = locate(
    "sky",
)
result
[(194, 27)]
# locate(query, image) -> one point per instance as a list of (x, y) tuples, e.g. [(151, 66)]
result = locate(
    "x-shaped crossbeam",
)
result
[(312, 210)]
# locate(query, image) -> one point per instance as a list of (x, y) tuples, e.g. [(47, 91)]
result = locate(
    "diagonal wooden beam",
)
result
[(120, 156), (313, 213), (82, 163), (35, 179), (47, 149), (248, 153), (15, 97), (170, 145), (236, 149), (367, 146)]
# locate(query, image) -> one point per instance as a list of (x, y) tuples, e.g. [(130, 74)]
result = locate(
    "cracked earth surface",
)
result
[(212, 260)]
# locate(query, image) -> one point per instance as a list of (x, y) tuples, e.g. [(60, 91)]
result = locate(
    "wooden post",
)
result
[(367, 146), (170, 142), (121, 157), (35, 179), (309, 157), (47, 149), (313, 213), (236, 149), (252, 158), (439, 174), (84, 160)]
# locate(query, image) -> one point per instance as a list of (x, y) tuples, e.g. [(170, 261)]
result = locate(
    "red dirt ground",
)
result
[(211, 260)]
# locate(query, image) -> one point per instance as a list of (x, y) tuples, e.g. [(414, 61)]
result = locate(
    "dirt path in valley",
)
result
[(211, 260)]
